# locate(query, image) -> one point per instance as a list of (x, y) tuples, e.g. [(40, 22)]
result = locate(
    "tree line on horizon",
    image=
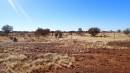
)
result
[(6, 29)]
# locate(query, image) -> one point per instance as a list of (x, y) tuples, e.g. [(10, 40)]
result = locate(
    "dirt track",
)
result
[(86, 60)]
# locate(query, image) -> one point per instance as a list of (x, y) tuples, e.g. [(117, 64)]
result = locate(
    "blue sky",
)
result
[(65, 14)]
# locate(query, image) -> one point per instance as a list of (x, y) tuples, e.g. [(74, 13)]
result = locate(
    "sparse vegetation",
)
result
[(58, 34), (127, 31), (65, 36), (14, 39), (119, 31), (71, 32), (81, 54), (119, 43), (80, 31), (57, 57)]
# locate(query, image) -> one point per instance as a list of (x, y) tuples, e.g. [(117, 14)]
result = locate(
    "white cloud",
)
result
[(13, 5), (19, 10)]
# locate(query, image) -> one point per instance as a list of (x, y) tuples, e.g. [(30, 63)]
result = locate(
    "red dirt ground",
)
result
[(86, 60)]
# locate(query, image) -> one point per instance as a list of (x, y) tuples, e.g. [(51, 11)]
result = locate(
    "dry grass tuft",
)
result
[(19, 63), (119, 43)]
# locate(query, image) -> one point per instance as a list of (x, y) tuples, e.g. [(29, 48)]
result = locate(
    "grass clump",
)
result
[(19, 63)]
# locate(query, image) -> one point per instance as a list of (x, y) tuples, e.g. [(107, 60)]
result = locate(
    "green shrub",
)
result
[(94, 31)]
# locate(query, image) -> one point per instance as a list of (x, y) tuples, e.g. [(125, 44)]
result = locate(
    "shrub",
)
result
[(127, 31), (14, 39), (58, 34), (119, 31), (94, 31), (42, 32)]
